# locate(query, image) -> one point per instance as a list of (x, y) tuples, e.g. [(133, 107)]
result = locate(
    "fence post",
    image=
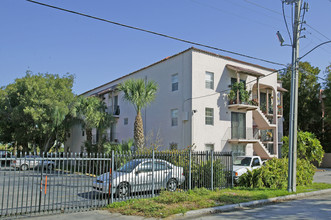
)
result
[(232, 169), (212, 169), (41, 180), (153, 156), (189, 171), (112, 176)]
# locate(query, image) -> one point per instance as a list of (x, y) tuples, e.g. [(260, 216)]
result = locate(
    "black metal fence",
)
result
[(69, 182)]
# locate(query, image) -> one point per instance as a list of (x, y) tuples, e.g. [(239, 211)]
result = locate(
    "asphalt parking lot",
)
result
[(33, 191)]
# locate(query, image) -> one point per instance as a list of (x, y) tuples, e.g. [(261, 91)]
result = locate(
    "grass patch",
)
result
[(180, 202)]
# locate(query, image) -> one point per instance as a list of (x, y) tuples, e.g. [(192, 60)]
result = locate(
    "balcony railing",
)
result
[(113, 111), (111, 137)]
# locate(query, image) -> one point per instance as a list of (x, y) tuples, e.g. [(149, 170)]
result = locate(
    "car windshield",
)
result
[(242, 161), (129, 166)]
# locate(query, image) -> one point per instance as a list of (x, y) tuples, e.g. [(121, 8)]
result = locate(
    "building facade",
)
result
[(193, 107)]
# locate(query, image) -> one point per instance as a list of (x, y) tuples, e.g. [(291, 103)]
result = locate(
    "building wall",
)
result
[(157, 116), (192, 96), (220, 132)]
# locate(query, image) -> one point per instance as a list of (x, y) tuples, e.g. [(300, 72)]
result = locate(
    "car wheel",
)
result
[(123, 190), (172, 185), (24, 167)]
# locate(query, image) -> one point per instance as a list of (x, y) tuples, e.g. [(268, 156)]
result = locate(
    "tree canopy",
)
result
[(309, 147), (309, 107), (326, 135), (39, 109), (34, 110)]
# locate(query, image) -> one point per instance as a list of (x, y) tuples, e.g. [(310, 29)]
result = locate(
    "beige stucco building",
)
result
[(192, 105)]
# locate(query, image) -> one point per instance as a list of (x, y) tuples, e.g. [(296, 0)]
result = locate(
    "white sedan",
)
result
[(136, 176)]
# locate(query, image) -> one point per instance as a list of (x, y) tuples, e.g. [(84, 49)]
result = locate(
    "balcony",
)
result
[(109, 136), (114, 111), (240, 98), (262, 140)]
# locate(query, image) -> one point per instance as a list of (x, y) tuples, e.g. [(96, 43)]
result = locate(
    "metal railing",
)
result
[(69, 182)]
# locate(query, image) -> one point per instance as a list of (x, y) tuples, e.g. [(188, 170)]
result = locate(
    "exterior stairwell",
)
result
[(261, 120), (263, 124), (261, 151)]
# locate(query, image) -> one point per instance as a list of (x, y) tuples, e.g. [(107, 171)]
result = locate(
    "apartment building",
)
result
[(192, 105)]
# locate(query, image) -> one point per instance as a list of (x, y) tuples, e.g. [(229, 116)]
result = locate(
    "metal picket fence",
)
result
[(69, 182)]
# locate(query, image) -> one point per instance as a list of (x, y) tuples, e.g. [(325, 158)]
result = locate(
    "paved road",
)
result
[(20, 191), (317, 207)]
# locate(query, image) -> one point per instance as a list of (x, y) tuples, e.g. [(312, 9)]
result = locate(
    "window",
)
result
[(256, 162), (174, 117), (126, 121), (238, 125), (146, 167), (161, 166), (209, 116), (209, 80), (174, 82), (239, 150), (209, 147)]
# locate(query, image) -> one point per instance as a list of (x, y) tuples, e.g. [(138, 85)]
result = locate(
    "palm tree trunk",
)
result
[(139, 132)]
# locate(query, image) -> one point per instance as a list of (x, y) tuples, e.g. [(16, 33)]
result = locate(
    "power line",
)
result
[(288, 31), (276, 12), (233, 14), (156, 33)]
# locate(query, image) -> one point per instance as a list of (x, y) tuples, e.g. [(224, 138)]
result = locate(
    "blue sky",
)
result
[(41, 39)]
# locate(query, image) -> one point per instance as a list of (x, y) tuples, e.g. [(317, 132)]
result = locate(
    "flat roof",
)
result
[(167, 58)]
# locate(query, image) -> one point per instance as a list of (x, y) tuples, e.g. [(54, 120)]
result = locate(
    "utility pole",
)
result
[(294, 99)]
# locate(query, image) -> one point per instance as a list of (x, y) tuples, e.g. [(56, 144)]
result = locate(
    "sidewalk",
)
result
[(90, 215)]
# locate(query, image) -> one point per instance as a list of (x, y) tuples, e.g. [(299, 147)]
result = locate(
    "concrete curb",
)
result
[(226, 208)]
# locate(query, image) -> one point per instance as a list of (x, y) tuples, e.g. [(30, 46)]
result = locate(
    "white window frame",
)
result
[(209, 119), (174, 82), (209, 80), (174, 117), (209, 147)]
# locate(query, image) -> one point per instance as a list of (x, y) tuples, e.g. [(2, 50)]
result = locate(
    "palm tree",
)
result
[(91, 112), (140, 94)]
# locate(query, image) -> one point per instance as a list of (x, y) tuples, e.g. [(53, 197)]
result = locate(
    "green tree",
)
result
[(35, 109), (140, 95), (308, 147), (92, 113), (309, 108), (326, 132)]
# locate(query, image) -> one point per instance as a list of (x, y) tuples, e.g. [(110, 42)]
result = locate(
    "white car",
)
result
[(242, 164), (32, 162), (136, 176)]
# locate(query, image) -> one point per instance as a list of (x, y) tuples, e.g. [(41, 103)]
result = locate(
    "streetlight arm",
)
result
[(326, 42)]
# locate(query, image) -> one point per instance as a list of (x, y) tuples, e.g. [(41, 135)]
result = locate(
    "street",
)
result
[(317, 207)]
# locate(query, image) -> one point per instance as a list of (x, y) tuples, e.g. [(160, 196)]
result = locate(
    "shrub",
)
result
[(274, 174), (309, 147)]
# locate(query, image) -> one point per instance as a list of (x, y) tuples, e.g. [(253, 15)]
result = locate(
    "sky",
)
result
[(45, 40)]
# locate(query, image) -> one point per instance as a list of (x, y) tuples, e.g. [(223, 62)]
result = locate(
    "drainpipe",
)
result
[(258, 91), (238, 81)]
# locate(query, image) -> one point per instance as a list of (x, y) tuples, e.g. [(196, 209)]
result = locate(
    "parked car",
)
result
[(5, 157), (242, 164), (32, 162), (137, 176)]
